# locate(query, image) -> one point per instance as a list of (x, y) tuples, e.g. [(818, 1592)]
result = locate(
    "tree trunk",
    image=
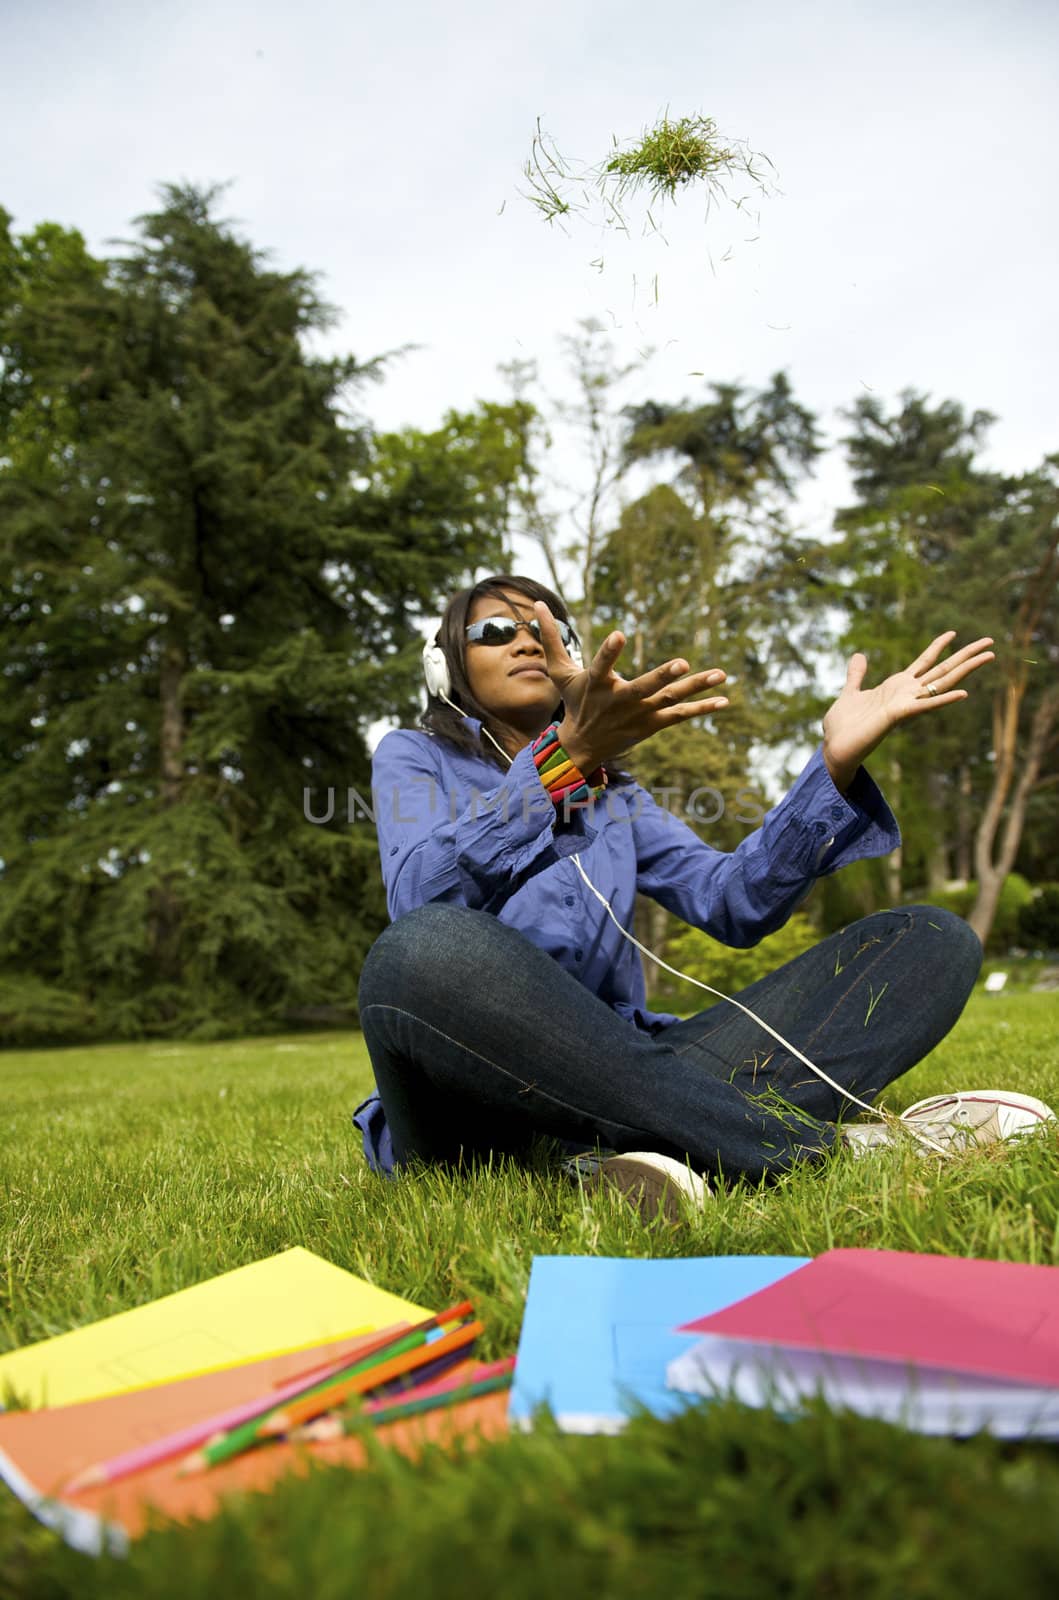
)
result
[(641, 929), (1007, 708), (937, 861), (172, 741), (892, 863), (650, 926), (163, 929), (964, 825), (989, 871)]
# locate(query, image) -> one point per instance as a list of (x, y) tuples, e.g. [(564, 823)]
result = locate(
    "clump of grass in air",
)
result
[(671, 154), (666, 158)]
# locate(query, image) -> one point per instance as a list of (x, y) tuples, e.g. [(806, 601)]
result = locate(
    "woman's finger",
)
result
[(927, 702), (933, 650), (659, 678), (557, 657), (603, 661), (955, 670), (979, 647), (549, 632), (937, 645), (671, 690), (696, 708)]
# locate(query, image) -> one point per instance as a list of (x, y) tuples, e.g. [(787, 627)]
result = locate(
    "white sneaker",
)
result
[(958, 1121), (652, 1182)]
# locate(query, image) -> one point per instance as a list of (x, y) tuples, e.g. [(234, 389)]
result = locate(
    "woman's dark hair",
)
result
[(440, 718)]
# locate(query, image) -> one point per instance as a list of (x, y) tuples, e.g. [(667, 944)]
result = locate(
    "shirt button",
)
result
[(394, 849), (568, 899), (836, 812), (577, 955)]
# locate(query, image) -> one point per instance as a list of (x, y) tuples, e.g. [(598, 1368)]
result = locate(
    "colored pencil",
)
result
[(421, 1377), (149, 1455), (323, 1369), (482, 1370), (308, 1406), (327, 1428), (223, 1445)]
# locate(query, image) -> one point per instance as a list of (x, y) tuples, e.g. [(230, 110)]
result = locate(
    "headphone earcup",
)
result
[(436, 670)]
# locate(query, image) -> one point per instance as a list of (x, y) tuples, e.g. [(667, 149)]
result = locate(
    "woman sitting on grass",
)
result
[(503, 1002)]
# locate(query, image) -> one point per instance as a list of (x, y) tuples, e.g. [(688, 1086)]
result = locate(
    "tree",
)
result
[(649, 578), (706, 568), (919, 498), (1022, 558), (431, 508), (593, 421), (741, 456), (199, 616), (935, 542)]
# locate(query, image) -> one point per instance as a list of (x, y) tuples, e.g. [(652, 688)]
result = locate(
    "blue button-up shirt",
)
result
[(451, 827)]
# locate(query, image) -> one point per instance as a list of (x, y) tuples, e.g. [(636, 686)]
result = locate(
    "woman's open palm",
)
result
[(860, 718)]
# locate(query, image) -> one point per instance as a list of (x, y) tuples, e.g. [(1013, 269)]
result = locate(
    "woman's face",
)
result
[(509, 680)]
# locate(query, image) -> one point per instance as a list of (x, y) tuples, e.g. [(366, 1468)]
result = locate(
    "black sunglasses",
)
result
[(501, 630)]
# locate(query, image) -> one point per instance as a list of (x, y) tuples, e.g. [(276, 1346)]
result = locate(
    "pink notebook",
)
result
[(993, 1319)]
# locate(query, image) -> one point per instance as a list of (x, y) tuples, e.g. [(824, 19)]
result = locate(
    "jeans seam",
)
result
[(527, 1087)]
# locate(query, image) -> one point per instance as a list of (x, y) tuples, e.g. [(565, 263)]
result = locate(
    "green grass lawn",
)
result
[(131, 1171)]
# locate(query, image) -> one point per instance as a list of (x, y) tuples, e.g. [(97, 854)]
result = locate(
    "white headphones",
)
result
[(436, 671)]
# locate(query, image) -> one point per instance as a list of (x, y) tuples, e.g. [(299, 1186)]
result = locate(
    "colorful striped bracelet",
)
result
[(565, 782)]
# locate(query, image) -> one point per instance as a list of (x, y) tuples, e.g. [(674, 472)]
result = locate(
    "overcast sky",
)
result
[(913, 242)]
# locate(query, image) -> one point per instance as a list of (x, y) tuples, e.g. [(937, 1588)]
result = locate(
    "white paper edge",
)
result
[(82, 1530)]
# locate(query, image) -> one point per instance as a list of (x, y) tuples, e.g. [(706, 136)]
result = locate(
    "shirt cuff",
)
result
[(842, 827)]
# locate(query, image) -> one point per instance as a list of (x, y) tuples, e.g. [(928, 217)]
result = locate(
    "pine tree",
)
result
[(196, 605)]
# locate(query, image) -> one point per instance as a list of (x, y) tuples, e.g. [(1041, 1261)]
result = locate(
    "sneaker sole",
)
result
[(654, 1190)]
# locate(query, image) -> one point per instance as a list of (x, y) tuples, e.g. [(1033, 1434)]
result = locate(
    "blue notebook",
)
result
[(597, 1333)]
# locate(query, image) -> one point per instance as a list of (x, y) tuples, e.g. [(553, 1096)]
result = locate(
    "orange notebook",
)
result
[(40, 1451)]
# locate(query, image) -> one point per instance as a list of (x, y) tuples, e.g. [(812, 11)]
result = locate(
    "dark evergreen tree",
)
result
[(201, 616)]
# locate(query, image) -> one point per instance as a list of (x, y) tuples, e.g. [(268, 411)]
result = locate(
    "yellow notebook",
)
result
[(290, 1301)]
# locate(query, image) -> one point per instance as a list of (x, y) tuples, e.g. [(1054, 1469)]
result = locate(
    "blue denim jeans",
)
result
[(480, 1043)]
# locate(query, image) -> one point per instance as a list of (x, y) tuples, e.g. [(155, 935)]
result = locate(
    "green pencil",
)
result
[(335, 1427)]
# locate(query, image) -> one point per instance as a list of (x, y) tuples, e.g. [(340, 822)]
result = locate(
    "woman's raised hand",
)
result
[(606, 713), (860, 718)]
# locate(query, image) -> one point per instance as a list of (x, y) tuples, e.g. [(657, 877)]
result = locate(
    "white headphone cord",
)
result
[(886, 1116)]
